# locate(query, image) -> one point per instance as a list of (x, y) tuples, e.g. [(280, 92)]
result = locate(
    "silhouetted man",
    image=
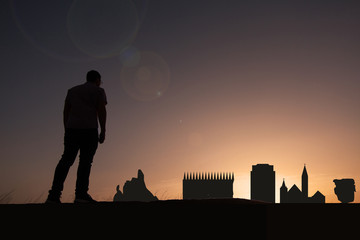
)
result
[(84, 106)]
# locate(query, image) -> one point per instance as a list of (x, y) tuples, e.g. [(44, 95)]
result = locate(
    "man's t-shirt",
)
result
[(84, 101)]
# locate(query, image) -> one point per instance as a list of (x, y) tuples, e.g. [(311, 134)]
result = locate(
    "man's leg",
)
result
[(88, 146), (71, 148)]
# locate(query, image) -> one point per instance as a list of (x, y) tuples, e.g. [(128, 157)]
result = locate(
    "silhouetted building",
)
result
[(305, 183), (283, 192), (263, 183), (294, 195), (344, 189), (318, 197), (208, 185)]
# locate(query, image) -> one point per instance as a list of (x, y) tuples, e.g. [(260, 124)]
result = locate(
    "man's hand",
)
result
[(102, 137)]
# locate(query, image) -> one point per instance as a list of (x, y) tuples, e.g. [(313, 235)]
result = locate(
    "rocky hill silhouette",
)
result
[(134, 190)]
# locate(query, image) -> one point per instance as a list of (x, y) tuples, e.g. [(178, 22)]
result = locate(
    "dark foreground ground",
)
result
[(190, 219)]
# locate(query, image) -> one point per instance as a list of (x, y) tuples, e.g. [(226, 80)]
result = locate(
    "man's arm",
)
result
[(66, 112), (102, 120)]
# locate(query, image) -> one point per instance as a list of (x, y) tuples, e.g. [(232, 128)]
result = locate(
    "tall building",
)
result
[(263, 183), (305, 183)]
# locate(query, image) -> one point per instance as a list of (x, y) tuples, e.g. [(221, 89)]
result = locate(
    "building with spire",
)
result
[(294, 195), (305, 182), (283, 192)]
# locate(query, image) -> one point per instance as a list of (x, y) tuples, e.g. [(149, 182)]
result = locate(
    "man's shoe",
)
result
[(86, 198), (53, 200)]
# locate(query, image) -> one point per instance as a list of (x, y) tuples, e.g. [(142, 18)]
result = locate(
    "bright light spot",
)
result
[(148, 80)]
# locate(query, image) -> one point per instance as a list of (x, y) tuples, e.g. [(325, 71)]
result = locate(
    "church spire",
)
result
[(283, 193), (283, 184), (305, 182)]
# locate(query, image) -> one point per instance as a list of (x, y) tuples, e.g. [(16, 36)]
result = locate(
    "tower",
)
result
[(263, 183), (283, 192), (305, 183)]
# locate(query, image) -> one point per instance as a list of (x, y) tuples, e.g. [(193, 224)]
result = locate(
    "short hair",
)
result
[(92, 76)]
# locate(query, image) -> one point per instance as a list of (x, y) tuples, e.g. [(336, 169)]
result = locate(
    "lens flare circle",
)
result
[(130, 57), (102, 28), (148, 80), (43, 24)]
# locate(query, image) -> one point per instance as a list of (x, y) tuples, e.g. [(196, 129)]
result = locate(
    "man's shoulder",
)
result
[(75, 88), (101, 90), (87, 89)]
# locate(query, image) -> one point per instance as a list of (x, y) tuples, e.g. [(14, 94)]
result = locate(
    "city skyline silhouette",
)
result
[(202, 185)]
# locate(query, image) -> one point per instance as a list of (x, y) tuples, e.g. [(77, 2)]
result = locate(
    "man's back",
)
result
[(83, 101)]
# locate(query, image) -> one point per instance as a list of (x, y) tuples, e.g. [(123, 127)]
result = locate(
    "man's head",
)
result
[(94, 77)]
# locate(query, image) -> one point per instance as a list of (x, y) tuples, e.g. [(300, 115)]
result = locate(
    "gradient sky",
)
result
[(192, 86)]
